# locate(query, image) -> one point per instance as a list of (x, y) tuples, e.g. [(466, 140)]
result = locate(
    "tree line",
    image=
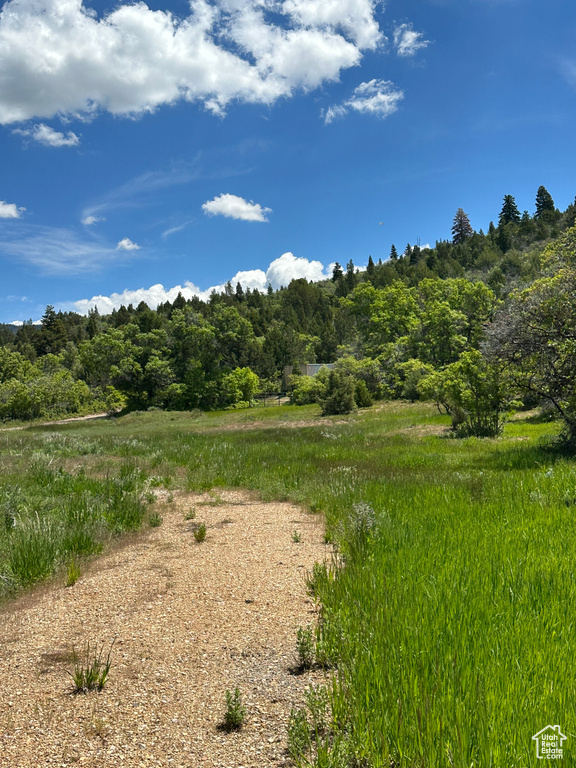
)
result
[(436, 323)]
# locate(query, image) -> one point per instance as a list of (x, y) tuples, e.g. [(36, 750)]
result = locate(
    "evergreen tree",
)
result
[(461, 227), (509, 213), (408, 250), (337, 272), (351, 278), (370, 269), (544, 202), (239, 292), (393, 253)]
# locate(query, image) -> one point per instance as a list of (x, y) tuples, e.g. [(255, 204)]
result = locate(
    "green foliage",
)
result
[(461, 227), (305, 647), (91, 669), (73, 573), (339, 395), (306, 390), (239, 386), (477, 394), (200, 532), (235, 714)]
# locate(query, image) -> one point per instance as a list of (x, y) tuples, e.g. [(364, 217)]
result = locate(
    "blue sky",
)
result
[(148, 148)]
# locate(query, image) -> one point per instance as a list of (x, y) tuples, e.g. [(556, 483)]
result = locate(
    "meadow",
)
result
[(448, 613)]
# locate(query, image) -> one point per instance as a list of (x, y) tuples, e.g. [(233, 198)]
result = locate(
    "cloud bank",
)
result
[(235, 207), (280, 272), (58, 57), (376, 97)]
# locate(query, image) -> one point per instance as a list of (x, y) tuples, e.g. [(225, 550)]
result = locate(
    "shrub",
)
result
[(339, 396), (200, 532), (308, 389), (362, 397), (235, 711), (305, 647)]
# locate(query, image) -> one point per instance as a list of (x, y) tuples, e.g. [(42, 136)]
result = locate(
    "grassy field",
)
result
[(450, 609)]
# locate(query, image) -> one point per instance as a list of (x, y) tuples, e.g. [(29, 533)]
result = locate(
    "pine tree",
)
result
[(461, 227), (544, 202), (370, 269), (337, 272), (351, 278), (393, 253), (509, 213)]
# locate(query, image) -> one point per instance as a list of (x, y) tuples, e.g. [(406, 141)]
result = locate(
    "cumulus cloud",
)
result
[(376, 97), (47, 136), (407, 41), (127, 245), (10, 210), (235, 207), (60, 57), (280, 272)]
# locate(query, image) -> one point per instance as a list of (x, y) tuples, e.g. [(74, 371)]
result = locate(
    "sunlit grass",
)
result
[(452, 623)]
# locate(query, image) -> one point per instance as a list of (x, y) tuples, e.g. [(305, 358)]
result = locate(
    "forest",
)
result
[(475, 324)]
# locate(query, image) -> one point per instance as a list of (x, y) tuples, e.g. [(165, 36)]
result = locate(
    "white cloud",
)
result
[(280, 272), (235, 207), (47, 136), (88, 221), (376, 97), (60, 57), (127, 245), (10, 211), (407, 41)]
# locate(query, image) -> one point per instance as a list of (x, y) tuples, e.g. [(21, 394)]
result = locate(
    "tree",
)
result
[(351, 278), (461, 227), (339, 395), (370, 269), (509, 213), (337, 272), (544, 203), (476, 393), (535, 334), (393, 253)]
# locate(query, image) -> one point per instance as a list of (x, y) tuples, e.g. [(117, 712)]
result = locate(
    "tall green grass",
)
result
[(453, 620)]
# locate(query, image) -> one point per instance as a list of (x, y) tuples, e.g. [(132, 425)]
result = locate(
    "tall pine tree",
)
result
[(544, 202), (509, 213), (461, 227)]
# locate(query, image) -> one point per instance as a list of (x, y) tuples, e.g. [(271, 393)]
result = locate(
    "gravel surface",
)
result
[(188, 621)]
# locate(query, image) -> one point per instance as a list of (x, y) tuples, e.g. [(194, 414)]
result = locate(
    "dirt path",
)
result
[(190, 621), (90, 417)]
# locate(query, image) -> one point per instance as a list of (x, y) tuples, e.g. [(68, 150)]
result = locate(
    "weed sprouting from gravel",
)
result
[(91, 669), (200, 532)]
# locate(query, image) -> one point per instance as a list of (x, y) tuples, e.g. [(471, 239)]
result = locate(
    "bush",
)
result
[(477, 394), (339, 396)]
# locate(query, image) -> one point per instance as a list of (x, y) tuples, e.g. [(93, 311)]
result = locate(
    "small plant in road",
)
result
[(91, 669), (200, 533), (305, 647), (235, 711)]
